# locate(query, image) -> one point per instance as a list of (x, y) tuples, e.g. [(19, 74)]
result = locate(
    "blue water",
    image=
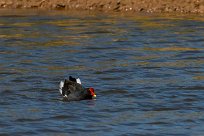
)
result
[(147, 71)]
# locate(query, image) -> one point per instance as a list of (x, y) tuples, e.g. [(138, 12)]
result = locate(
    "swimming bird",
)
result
[(72, 90)]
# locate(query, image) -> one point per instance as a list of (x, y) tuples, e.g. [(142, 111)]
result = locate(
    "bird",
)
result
[(72, 90)]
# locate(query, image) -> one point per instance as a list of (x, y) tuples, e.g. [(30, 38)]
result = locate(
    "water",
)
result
[(147, 70)]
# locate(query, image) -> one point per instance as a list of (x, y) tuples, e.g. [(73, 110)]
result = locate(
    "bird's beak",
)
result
[(94, 96)]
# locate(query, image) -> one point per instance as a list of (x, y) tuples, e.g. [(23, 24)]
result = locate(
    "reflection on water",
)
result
[(147, 71)]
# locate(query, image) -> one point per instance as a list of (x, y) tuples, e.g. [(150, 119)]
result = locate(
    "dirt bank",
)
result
[(158, 6)]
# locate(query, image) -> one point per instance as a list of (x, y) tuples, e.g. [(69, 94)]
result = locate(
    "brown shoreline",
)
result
[(148, 6)]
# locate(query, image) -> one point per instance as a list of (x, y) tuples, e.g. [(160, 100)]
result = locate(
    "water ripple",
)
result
[(147, 72)]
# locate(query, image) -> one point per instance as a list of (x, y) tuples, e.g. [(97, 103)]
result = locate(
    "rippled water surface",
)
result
[(147, 70)]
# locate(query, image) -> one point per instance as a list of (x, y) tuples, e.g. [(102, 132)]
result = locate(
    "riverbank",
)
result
[(149, 6)]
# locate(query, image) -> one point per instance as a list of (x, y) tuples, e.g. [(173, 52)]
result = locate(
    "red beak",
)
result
[(92, 92)]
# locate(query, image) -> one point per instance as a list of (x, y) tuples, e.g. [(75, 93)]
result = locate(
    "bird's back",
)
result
[(72, 90)]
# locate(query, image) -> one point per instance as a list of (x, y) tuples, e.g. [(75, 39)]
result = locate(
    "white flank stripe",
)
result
[(60, 91), (78, 81), (60, 86)]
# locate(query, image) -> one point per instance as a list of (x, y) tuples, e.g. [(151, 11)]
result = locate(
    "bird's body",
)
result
[(72, 90)]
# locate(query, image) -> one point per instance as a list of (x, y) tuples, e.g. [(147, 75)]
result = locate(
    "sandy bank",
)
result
[(150, 6)]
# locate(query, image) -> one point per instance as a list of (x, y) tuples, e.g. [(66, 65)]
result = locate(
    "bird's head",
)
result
[(91, 92)]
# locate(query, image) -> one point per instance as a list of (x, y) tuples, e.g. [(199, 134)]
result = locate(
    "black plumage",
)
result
[(72, 79), (73, 91)]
